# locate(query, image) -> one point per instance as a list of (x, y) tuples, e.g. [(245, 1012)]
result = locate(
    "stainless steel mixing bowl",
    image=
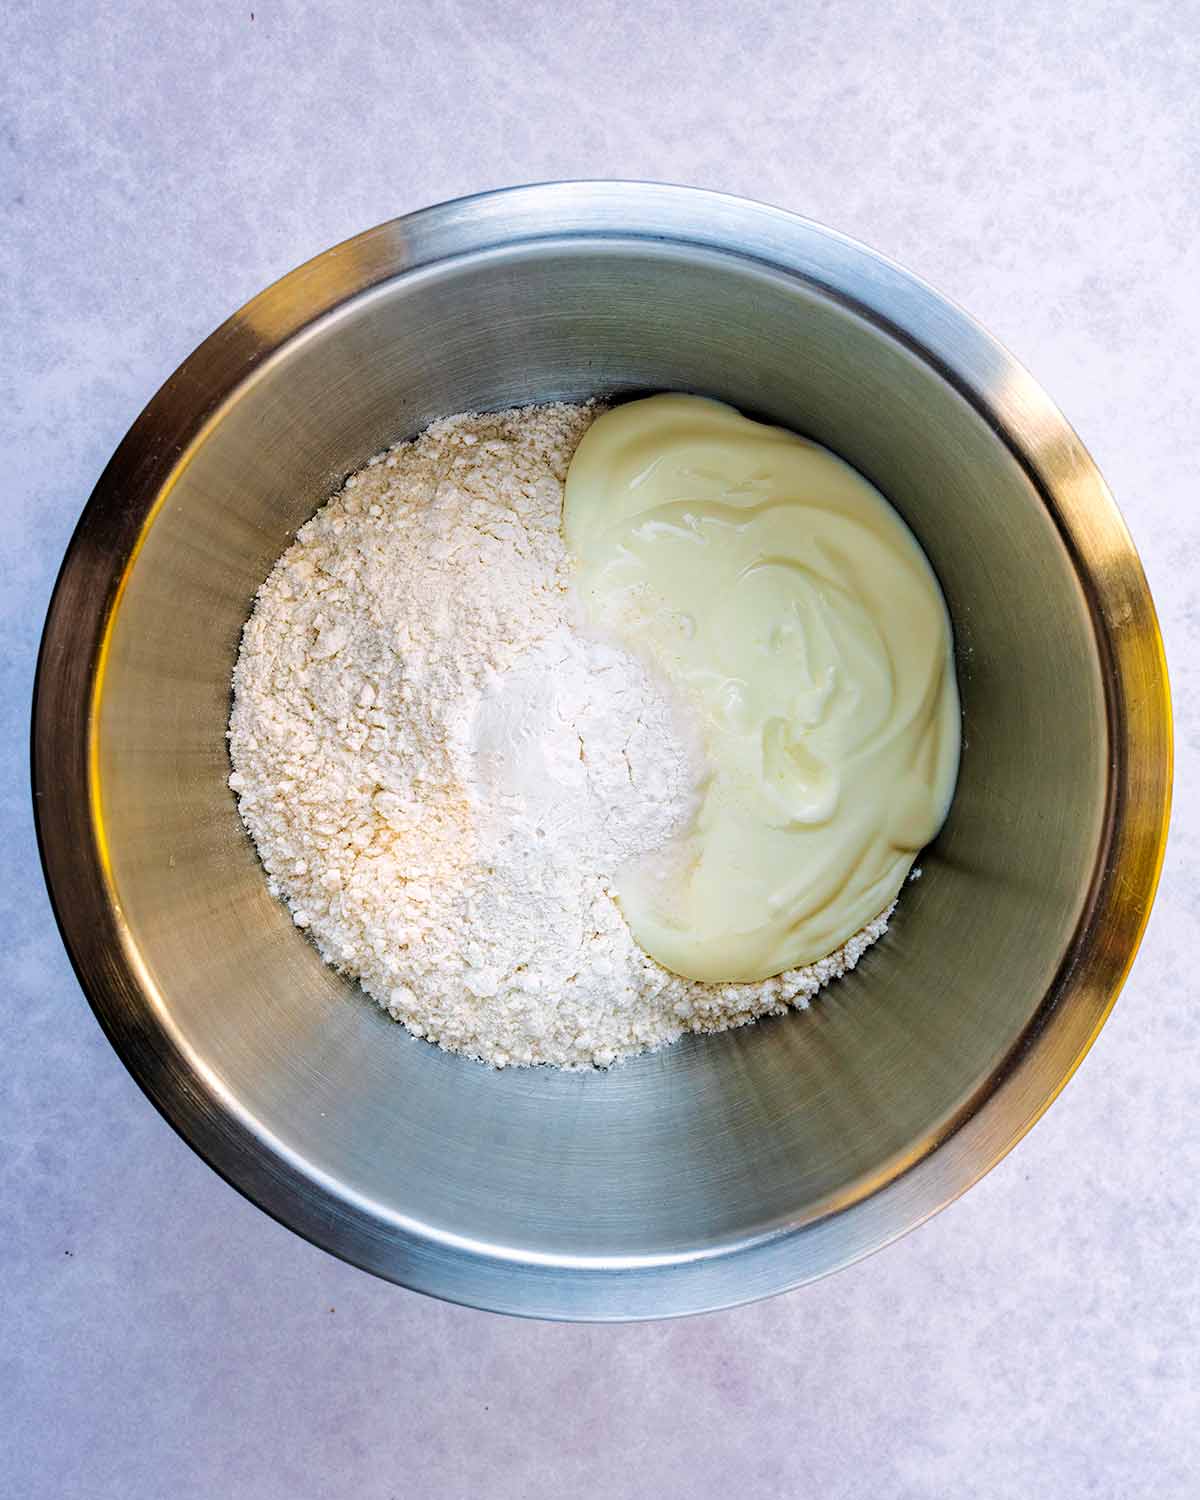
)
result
[(724, 1168)]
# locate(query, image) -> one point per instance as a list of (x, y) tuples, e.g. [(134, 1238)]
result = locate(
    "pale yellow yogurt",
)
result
[(786, 600)]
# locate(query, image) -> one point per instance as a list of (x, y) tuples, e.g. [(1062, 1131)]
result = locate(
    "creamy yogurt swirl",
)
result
[(788, 602)]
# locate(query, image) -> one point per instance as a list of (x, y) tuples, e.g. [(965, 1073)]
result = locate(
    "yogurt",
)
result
[(785, 599)]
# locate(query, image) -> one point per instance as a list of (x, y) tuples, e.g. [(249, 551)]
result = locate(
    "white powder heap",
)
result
[(442, 774)]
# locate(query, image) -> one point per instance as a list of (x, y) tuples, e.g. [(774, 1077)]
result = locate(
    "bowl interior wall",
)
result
[(715, 1139)]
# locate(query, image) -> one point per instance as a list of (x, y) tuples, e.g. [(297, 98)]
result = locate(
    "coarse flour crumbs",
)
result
[(441, 773)]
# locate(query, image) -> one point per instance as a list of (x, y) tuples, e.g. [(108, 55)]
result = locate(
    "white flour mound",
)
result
[(442, 775)]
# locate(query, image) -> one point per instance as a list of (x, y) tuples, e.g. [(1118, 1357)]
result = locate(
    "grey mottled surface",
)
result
[(159, 163)]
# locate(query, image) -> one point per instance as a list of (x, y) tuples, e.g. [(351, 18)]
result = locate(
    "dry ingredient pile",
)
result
[(442, 773)]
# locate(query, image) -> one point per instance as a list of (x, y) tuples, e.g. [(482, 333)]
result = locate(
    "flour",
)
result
[(441, 773)]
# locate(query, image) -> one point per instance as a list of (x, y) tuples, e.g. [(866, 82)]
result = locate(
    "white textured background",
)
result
[(160, 163)]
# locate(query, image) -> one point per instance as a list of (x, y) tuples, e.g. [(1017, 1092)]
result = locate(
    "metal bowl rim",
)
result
[(100, 556)]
